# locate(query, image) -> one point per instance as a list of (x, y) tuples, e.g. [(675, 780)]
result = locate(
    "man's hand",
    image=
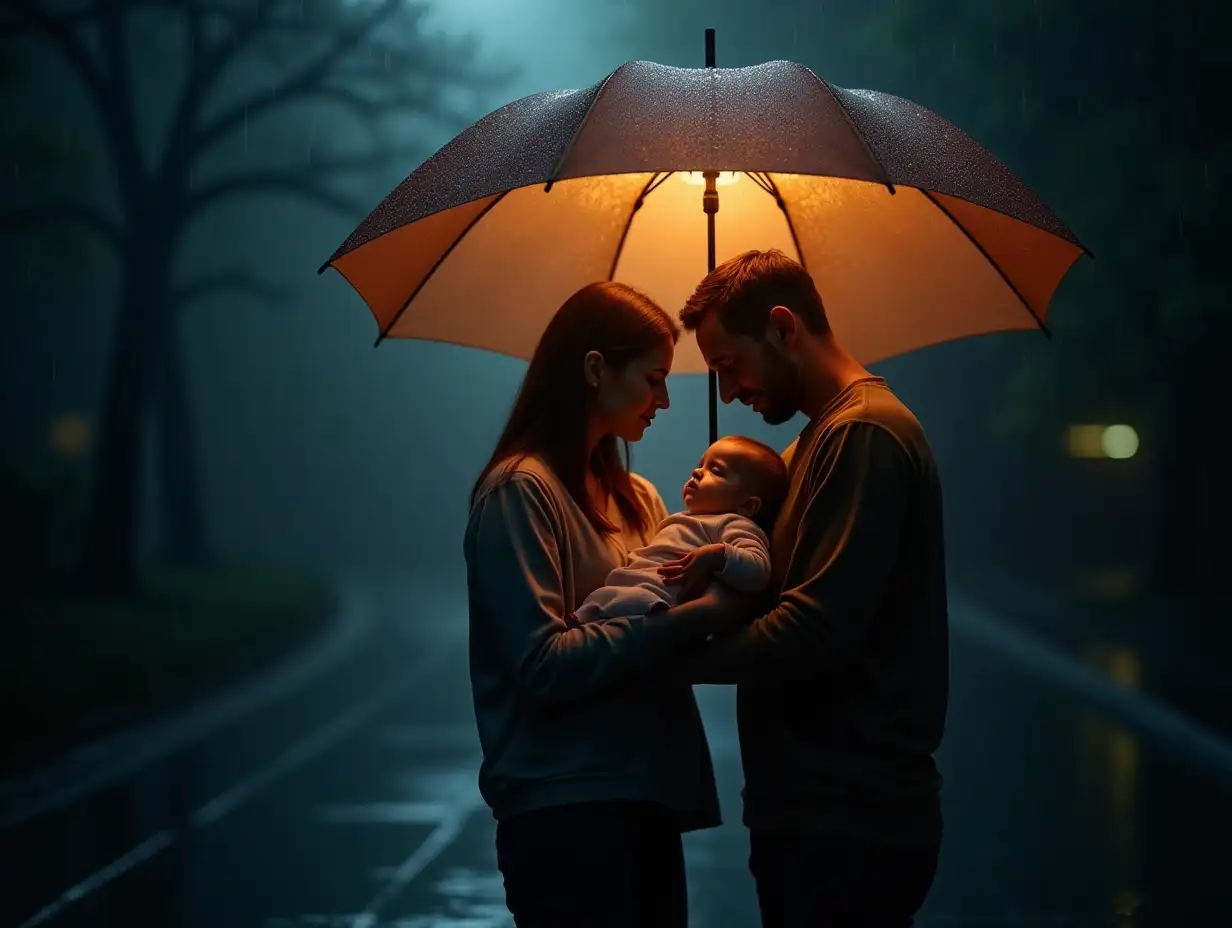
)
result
[(695, 571)]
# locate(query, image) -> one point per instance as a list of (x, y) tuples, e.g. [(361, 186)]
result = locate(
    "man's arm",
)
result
[(846, 545)]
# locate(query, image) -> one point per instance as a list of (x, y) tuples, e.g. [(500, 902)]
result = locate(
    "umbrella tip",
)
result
[(322, 268), (710, 58)]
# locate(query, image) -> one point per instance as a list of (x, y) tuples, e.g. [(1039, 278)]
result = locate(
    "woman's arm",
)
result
[(746, 563), (516, 588)]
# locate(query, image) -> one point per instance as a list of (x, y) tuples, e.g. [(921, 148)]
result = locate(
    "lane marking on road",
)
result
[(442, 836), (98, 765), (299, 754), (150, 847)]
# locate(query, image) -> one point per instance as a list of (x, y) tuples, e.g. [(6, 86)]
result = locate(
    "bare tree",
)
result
[(373, 59)]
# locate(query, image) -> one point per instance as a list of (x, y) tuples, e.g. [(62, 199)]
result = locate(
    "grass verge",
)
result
[(72, 665)]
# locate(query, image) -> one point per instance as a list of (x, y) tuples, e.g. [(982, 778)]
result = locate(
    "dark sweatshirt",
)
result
[(843, 683)]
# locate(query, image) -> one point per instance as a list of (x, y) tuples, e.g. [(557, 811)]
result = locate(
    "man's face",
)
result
[(754, 371)]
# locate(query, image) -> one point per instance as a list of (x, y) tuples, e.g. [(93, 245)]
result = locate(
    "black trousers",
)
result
[(836, 881), (594, 865)]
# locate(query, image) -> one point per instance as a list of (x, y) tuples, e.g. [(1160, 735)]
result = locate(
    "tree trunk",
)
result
[(185, 541), (109, 546)]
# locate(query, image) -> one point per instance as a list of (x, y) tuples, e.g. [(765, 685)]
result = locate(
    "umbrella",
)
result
[(914, 233)]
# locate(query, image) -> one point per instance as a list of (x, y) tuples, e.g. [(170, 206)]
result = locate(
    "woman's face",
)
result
[(626, 400)]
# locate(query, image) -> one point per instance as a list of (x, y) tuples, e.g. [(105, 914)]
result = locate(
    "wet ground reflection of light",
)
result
[(1110, 762), (469, 899)]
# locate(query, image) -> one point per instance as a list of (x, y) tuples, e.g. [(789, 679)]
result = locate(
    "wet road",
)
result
[(354, 804)]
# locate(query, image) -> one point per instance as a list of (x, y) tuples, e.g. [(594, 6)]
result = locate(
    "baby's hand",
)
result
[(695, 571)]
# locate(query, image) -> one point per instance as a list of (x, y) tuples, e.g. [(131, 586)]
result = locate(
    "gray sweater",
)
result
[(554, 726)]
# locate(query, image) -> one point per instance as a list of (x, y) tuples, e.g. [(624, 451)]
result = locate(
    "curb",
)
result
[(100, 762), (1149, 716)]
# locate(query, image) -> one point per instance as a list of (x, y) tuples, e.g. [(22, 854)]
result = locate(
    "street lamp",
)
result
[(1110, 442), (70, 435)]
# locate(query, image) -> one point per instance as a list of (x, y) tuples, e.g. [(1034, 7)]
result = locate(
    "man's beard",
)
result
[(782, 389)]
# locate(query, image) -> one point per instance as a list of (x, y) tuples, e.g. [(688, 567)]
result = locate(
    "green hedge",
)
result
[(67, 662)]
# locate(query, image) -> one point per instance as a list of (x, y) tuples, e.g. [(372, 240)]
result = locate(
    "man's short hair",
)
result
[(743, 290)]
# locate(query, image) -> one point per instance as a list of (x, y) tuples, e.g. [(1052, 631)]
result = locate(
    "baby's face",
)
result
[(719, 483)]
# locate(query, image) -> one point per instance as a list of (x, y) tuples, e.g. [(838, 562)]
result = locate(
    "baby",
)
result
[(729, 501)]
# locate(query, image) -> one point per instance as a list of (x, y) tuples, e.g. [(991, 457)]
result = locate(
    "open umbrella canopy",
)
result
[(914, 233)]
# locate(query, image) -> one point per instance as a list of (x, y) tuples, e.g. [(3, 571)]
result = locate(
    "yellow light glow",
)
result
[(70, 435), (1117, 442), (1083, 441), (698, 179)]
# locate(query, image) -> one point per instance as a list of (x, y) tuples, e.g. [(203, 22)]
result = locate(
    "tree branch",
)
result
[(205, 66), (116, 103), (14, 29), (371, 108), (44, 215), (304, 82), (371, 160), (304, 184), (237, 281), (57, 28)]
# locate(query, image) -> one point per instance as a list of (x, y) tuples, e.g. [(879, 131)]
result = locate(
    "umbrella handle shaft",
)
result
[(713, 380)]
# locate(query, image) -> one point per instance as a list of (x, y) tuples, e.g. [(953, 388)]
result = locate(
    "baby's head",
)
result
[(737, 474)]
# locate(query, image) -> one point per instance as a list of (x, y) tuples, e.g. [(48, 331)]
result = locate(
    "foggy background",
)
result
[(1087, 505), (314, 445)]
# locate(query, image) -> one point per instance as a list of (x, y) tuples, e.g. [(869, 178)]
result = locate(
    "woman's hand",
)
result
[(695, 571)]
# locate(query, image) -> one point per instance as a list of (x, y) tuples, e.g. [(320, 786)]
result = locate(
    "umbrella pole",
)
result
[(710, 204)]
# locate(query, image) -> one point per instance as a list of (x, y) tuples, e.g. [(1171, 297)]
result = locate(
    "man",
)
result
[(843, 684)]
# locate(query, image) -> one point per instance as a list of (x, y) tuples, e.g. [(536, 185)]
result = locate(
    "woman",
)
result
[(591, 783)]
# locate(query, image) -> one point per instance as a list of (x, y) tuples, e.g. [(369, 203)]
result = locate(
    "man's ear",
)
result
[(593, 368), (781, 326)]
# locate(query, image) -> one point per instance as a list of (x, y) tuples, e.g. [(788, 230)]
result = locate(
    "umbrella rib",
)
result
[(435, 267), (773, 190), (855, 130), (990, 259), (564, 155), (651, 186)]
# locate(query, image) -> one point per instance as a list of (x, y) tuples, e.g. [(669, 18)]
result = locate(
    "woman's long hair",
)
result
[(551, 414)]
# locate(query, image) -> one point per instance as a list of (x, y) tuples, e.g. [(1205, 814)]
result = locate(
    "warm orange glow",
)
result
[(70, 435), (896, 272)]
